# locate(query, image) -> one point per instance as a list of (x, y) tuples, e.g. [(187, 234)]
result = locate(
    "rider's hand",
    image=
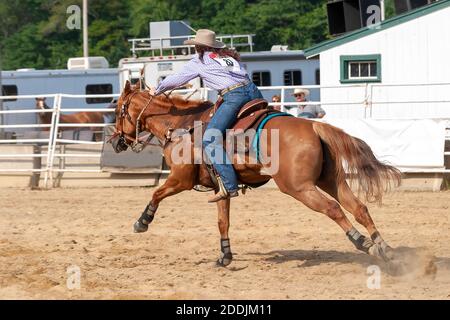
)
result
[(152, 91)]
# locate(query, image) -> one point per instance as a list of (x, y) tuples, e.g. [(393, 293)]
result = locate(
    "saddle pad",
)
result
[(255, 143)]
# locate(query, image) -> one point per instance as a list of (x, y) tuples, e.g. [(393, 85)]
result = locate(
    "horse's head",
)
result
[(40, 103), (134, 107), (126, 114)]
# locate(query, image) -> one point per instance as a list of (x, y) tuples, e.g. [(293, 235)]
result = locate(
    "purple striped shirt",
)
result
[(217, 73)]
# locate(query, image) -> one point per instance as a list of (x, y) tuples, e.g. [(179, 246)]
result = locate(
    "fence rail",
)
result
[(53, 141)]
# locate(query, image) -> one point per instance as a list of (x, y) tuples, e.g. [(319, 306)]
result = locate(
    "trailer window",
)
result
[(261, 78), (9, 90), (99, 89), (292, 78)]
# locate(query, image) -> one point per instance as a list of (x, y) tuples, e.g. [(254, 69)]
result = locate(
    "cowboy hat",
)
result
[(205, 37), (300, 90)]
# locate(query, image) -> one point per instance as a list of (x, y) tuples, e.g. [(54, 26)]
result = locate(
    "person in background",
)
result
[(276, 99), (305, 110)]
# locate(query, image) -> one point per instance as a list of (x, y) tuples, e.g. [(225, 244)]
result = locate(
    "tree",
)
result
[(34, 32)]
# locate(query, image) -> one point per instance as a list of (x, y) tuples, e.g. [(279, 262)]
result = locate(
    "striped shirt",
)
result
[(216, 72)]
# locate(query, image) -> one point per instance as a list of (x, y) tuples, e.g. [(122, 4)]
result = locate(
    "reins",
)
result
[(139, 143)]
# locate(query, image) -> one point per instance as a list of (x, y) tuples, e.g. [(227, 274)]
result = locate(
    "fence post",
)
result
[(55, 136), (370, 101), (282, 109), (37, 164), (52, 140), (366, 100), (49, 145)]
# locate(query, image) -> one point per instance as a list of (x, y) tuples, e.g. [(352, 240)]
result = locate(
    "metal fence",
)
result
[(53, 140)]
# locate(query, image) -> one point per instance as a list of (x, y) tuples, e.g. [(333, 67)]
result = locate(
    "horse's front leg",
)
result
[(174, 184), (223, 208)]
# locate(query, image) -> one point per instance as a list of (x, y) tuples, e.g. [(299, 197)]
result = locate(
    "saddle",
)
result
[(250, 115)]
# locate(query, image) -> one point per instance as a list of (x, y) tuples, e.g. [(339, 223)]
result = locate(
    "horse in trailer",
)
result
[(78, 117), (311, 155)]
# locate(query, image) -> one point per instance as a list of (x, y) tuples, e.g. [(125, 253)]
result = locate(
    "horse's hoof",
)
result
[(385, 253), (140, 227), (224, 260)]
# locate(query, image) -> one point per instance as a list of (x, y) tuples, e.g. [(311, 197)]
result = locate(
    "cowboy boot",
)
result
[(222, 193)]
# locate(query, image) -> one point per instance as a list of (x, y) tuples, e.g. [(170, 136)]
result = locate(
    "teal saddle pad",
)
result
[(255, 143)]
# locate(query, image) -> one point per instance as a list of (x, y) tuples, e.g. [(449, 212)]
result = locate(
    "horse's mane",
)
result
[(180, 103)]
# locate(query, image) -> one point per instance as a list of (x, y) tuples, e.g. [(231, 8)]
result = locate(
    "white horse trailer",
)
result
[(166, 54), (41, 82)]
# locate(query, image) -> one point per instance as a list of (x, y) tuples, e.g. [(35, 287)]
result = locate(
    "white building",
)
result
[(401, 66)]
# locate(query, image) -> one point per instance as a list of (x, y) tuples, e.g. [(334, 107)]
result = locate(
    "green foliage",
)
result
[(34, 33)]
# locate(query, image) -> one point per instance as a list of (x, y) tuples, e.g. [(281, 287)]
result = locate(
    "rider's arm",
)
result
[(187, 73), (320, 112)]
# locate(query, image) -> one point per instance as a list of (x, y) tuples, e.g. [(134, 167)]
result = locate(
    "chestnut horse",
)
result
[(78, 117), (311, 156)]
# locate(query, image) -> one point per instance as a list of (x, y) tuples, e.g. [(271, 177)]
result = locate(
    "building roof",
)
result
[(360, 33), (273, 55)]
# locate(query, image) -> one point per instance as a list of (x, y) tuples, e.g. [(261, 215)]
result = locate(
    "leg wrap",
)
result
[(148, 214), (379, 240), (225, 255), (361, 242), (381, 248)]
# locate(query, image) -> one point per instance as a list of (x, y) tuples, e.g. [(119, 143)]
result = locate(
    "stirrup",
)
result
[(222, 194)]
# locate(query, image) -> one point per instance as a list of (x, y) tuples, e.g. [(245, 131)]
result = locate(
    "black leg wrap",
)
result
[(146, 218), (360, 242), (225, 256), (148, 215)]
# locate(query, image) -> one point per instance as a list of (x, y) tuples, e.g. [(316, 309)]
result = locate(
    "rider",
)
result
[(221, 70)]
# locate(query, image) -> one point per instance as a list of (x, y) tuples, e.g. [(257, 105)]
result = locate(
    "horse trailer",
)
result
[(43, 82)]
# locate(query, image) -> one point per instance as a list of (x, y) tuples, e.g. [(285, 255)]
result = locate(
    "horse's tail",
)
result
[(373, 176)]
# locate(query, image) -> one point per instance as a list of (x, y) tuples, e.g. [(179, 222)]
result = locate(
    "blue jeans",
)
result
[(224, 119)]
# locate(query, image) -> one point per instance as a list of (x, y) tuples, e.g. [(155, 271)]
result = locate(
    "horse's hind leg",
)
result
[(223, 209), (313, 199), (342, 193)]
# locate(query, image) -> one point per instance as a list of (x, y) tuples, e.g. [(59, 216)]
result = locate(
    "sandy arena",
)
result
[(282, 250)]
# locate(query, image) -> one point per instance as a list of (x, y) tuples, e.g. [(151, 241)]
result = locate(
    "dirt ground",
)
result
[(282, 249)]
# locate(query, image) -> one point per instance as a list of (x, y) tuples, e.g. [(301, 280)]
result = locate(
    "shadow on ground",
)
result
[(407, 260)]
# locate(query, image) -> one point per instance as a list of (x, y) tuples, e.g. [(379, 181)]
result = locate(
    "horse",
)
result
[(78, 117), (312, 156)]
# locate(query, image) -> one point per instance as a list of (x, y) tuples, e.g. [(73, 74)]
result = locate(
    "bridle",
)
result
[(138, 144)]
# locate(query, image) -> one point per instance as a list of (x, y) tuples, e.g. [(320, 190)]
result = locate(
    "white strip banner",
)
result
[(406, 144)]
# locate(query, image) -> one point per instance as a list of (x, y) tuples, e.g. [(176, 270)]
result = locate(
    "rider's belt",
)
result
[(235, 86)]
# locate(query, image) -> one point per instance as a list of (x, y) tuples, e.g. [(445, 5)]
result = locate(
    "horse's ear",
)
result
[(127, 87)]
